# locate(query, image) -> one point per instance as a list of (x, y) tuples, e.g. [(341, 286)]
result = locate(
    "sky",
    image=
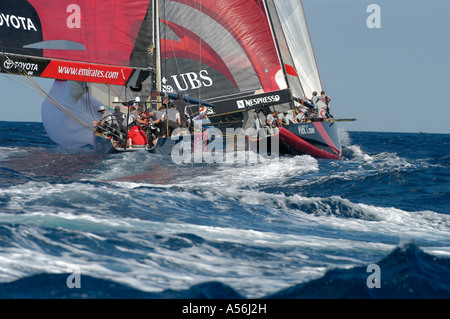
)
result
[(394, 78)]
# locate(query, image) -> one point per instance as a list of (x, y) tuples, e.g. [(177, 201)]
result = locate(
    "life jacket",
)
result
[(137, 136)]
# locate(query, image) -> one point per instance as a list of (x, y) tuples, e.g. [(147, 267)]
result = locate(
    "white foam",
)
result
[(344, 137), (293, 229), (164, 268), (249, 175), (358, 154)]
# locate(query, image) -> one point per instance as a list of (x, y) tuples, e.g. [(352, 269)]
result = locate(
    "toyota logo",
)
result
[(9, 64)]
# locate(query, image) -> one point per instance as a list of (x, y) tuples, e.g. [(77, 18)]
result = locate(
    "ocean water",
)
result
[(136, 225)]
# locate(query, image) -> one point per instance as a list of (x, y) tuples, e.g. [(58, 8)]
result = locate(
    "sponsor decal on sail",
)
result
[(87, 72), (19, 65), (188, 81), (16, 22)]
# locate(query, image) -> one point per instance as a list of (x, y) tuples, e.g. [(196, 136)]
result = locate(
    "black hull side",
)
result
[(317, 139)]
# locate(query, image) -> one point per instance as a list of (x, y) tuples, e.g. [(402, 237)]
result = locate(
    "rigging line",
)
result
[(49, 98), (121, 96), (21, 83), (116, 92), (41, 91), (30, 81), (176, 60), (53, 101), (171, 44)]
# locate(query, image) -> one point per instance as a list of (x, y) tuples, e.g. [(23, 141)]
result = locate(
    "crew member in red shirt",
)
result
[(136, 138)]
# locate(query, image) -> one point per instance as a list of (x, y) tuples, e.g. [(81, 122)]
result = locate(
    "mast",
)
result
[(157, 43), (156, 50)]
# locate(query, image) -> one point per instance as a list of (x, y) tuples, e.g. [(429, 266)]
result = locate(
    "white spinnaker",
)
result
[(81, 102), (61, 127)]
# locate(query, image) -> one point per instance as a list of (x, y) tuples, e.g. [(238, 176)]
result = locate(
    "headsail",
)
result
[(294, 31), (94, 41)]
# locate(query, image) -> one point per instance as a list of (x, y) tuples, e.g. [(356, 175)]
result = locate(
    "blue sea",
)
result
[(75, 224)]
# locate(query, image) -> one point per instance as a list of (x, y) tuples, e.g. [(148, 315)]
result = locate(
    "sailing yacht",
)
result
[(241, 62)]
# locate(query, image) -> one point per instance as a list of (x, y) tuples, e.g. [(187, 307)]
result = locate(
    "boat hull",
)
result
[(105, 145), (164, 146), (317, 139)]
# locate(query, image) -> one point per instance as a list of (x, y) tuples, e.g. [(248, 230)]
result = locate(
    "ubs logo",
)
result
[(189, 80)]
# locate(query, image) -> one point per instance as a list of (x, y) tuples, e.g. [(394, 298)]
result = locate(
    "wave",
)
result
[(11, 177), (406, 273), (192, 234), (161, 229), (205, 196)]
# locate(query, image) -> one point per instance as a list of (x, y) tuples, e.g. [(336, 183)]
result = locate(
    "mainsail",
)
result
[(217, 48), (234, 49)]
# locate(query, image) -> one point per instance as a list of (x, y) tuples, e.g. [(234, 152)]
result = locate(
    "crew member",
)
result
[(107, 120), (182, 106), (136, 137)]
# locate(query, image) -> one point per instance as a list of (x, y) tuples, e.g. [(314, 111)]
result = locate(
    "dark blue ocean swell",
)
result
[(144, 226), (407, 171), (24, 134), (407, 273)]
